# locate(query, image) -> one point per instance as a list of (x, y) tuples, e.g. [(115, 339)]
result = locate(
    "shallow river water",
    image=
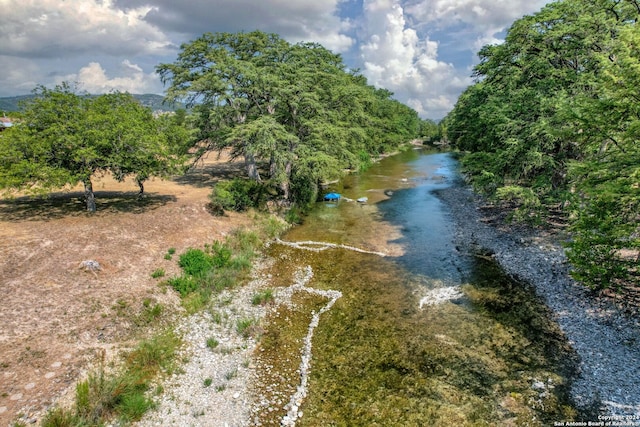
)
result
[(390, 324)]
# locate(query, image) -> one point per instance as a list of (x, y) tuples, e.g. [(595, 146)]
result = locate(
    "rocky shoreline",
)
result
[(606, 339)]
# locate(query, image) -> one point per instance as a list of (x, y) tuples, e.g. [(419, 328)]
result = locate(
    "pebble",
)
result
[(596, 329)]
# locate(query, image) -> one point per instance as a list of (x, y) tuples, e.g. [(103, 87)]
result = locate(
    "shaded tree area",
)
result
[(554, 120), (292, 112), (65, 138)]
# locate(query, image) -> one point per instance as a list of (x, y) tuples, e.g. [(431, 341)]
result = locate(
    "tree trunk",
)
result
[(141, 185), (285, 185), (88, 195), (252, 168)]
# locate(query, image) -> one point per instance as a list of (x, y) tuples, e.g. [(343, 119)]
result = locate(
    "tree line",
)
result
[(293, 113), (553, 119)]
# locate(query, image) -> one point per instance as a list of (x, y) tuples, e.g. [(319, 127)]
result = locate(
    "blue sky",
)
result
[(421, 50)]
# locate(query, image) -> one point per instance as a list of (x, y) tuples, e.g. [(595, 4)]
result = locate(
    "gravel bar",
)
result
[(606, 337)]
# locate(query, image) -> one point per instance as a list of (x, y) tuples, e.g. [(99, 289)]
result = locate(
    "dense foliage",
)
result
[(555, 116), (293, 112), (65, 138)]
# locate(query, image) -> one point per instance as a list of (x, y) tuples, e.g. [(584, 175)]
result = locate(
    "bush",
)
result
[(237, 195), (157, 273), (184, 285), (247, 327), (220, 254), (212, 343), (196, 262), (527, 203)]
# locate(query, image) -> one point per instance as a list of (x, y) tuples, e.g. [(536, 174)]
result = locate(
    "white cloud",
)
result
[(483, 20), (51, 28), (299, 20), (94, 79), (18, 74), (396, 58), (483, 15), (114, 44)]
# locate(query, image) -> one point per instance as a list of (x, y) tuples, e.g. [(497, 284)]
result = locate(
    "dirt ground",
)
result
[(55, 315)]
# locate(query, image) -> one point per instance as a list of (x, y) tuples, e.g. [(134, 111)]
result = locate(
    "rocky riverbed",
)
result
[(605, 337)]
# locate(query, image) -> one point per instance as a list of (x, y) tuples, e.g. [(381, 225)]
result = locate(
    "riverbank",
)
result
[(606, 339)]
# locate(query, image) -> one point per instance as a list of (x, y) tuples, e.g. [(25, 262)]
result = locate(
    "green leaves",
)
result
[(556, 110), (66, 138), (285, 107)]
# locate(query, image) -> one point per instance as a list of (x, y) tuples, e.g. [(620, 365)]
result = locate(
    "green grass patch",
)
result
[(150, 313), (212, 343), (219, 265), (120, 394), (263, 297), (231, 374), (247, 327), (157, 273)]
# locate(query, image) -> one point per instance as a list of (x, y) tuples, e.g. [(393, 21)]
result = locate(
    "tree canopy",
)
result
[(294, 113), (65, 138), (554, 117)]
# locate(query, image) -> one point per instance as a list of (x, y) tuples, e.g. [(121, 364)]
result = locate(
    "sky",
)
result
[(421, 50)]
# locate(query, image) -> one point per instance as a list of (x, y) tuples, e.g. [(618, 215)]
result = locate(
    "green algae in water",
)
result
[(493, 359)]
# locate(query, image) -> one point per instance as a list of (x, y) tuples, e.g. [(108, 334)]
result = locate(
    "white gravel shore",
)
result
[(213, 386), (606, 339)]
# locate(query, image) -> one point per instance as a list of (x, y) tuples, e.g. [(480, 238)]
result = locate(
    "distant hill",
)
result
[(11, 103)]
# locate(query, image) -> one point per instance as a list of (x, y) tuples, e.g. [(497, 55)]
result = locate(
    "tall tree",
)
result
[(291, 111), (554, 114)]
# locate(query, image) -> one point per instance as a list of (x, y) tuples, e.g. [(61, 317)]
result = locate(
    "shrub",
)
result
[(274, 226), (247, 327), (59, 417), (526, 201), (184, 285), (237, 195), (193, 302), (196, 262), (220, 254), (150, 312), (293, 215), (212, 343)]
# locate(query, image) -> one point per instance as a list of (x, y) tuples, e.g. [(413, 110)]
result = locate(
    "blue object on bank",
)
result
[(332, 197)]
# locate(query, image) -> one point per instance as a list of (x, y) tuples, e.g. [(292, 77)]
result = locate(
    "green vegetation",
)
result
[(380, 360), (218, 266), (65, 138), (237, 195), (293, 113), (247, 327), (122, 392), (263, 297), (212, 343), (158, 272), (554, 120)]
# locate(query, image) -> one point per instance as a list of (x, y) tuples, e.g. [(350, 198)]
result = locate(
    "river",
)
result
[(388, 323)]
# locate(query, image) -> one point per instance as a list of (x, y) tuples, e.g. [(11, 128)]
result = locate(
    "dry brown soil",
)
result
[(55, 316)]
